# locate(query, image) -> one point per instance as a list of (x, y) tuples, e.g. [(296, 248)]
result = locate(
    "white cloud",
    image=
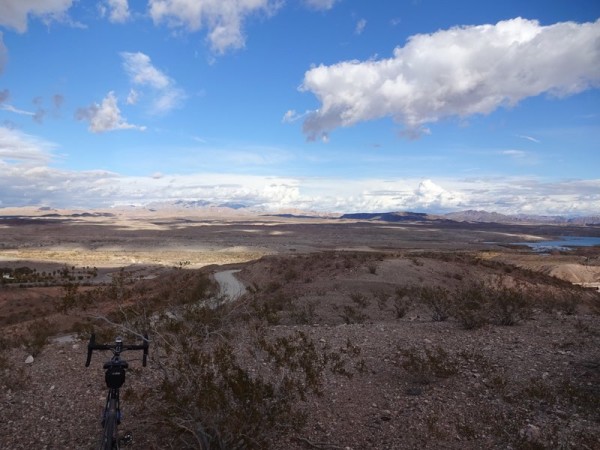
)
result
[(521, 157), (11, 108), (320, 4), (514, 153), (457, 72), (132, 97), (106, 116), (529, 138), (430, 195), (23, 148), (360, 26), (223, 19), (141, 72), (292, 116), (14, 13), (117, 10)]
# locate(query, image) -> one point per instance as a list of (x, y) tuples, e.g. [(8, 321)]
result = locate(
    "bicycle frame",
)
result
[(115, 370)]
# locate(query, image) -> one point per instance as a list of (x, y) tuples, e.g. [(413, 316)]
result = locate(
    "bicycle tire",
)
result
[(109, 440)]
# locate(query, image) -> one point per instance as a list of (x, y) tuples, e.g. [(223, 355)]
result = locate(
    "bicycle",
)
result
[(115, 370)]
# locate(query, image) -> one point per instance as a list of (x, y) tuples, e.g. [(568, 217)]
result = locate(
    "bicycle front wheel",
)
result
[(109, 439)]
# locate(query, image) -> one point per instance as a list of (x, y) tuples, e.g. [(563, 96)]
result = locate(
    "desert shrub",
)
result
[(403, 299), (471, 306), (290, 275), (401, 306), (568, 301), (37, 335), (427, 364), (268, 307), (372, 267), (352, 315), (359, 299), (304, 314), (511, 305), (480, 303), (416, 262), (219, 394), (438, 300), (382, 298), (13, 377), (273, 286)]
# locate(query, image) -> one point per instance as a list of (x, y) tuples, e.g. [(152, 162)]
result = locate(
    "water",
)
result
[(564, 243)]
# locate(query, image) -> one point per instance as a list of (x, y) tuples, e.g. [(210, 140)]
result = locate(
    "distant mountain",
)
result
[(474, 216), (403, 216), (200, 207), (484, 216)]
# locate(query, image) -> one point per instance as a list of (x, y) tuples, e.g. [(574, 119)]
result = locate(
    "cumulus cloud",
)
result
[(223, 19), (141, 72), (430, 195), (14, 13), (105, 117), (456, 73)]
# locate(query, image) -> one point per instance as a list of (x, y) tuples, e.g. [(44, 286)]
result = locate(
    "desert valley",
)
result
[(349, 332)]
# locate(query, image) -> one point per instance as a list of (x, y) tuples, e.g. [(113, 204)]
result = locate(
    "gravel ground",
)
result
[(532, 385)]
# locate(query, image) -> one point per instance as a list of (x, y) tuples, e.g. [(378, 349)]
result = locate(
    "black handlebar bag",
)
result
[(115, 374)]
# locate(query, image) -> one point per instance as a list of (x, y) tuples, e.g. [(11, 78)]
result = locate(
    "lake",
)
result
[(564, 243)]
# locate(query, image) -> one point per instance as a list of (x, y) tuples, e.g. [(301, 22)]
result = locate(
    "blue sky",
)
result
[(326, 105)]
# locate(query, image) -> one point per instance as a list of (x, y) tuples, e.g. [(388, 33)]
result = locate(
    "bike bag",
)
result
[(115, 373)]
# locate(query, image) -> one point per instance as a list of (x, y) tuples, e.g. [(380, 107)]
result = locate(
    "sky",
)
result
[(310, 105)]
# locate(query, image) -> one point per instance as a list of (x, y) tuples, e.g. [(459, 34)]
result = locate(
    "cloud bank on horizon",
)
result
[(168, 100)]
